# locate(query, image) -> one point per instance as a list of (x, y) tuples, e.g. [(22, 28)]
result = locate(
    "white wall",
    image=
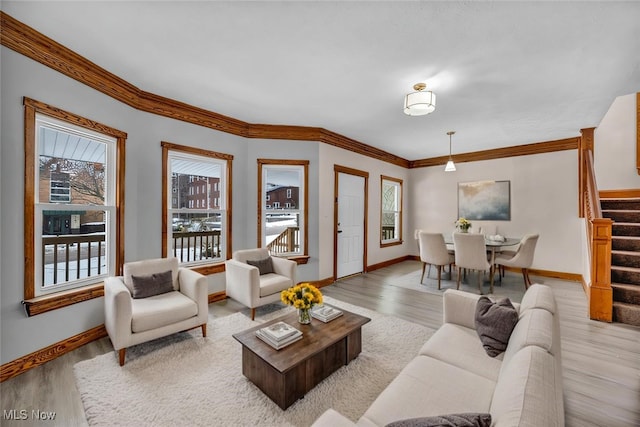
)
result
[(292, 150), (331, 156), (21, 77), (615, 146), (543, 200)]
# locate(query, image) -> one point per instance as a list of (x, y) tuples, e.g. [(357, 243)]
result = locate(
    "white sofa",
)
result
[(453, 374)]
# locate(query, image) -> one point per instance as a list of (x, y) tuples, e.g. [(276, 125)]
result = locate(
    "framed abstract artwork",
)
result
[(485, 200)]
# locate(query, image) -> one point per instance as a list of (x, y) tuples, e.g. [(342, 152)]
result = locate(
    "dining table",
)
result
[(493, 246)]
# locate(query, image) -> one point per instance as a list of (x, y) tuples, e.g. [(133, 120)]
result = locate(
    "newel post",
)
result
[(600, 292)]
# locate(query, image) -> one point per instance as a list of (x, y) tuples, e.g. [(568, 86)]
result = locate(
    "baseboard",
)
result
[(39, 357), (389, 262), (218, 296), (322, 282), (573, 277)]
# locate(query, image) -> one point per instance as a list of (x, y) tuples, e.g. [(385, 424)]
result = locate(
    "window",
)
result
[(196, 228), (391, 211), (73, 214), (283, 230)]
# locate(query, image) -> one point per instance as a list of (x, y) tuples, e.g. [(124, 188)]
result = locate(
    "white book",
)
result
[(326, 313), (281, 344), (279, 331)]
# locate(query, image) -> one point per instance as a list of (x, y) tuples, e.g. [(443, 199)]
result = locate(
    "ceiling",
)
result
[(505, 73)]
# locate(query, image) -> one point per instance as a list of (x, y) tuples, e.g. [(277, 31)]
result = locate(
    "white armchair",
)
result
[(132, 318), (246, 285)]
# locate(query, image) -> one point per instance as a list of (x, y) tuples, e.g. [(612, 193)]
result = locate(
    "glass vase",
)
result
[(304, 316)]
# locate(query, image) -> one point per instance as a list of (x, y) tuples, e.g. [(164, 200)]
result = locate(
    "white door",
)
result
[(350, 237)]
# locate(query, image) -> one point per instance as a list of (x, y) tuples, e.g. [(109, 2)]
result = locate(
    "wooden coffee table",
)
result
[(287, 374)]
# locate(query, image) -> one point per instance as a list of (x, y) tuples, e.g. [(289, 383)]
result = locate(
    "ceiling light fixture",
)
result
[(420, 102), (450, 166)]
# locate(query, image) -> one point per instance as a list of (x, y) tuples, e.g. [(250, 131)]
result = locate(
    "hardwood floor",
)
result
[(601, 362)]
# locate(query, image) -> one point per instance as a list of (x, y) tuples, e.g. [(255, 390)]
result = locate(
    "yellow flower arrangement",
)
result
[(463, 224), (302, 296)]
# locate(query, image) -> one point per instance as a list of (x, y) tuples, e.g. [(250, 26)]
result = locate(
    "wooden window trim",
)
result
[(400, 182), (44, 303), (299, 258), (215, 267)]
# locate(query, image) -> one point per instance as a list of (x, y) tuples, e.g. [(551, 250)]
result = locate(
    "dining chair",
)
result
[(433, 251), (522, 258), (416, 236), (471, 253)]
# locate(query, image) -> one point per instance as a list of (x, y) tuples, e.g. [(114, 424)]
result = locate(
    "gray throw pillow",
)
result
[(152, 284), (494, 323), (264, 265), (470, 419)]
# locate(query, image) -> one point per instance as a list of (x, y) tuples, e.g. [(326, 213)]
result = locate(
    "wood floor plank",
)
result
[(601, 362)]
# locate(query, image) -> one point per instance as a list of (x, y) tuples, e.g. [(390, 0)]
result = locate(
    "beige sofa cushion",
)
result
[(538, 296), (535, 327), (461, 347), (427, 387), (272, 283), (526, 394), (161, 310)]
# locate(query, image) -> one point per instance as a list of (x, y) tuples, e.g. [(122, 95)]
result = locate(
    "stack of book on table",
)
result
[(279, 335), (325, 313)]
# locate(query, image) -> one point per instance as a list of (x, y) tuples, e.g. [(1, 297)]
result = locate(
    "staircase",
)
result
[(625, 258)]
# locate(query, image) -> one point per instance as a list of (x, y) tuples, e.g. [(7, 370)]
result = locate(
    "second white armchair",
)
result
[(254, 278)]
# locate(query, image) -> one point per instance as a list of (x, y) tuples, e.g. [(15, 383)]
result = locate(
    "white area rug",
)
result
[(185, 380), (407, 275)]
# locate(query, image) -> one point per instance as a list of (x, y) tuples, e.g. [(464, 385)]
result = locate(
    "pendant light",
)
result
[(450, 166)]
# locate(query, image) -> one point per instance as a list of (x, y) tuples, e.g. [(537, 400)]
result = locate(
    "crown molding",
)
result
[(498, 153), (26, 41)]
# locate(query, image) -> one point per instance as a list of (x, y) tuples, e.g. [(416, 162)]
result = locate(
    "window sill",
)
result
[(299, 259), (44, 303), (209, 268), (387, 244)]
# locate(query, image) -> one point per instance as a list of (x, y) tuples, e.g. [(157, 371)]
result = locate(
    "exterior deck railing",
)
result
[(72, 257), (287, 242), (388, 232), (196, 245)]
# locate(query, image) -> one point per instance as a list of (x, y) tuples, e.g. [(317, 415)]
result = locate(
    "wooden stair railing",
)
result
[(600, 293)]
